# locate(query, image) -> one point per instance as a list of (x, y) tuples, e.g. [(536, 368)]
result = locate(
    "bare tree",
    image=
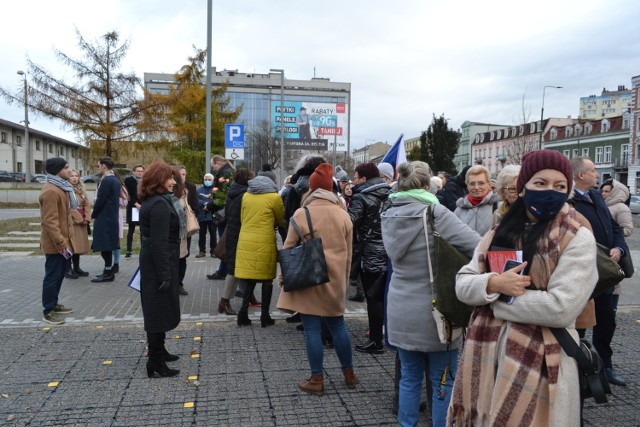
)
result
[(264, 146), (99, 102), (522, 141)]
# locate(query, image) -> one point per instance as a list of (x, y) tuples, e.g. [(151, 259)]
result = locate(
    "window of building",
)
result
[(625, 122), (3, 137), (37, 145), (567, 153), (578, 130), (609, 110), (73, 152), (607, 153), (574, 153), (599, 151), (481, 138), (588, 127), (19, 166), (568, 132), (521, 130), (18, 140), (50, 148), (585, 152), (625, 154), (476, 139), (553, 133), (532, 128), (491, 136), (61, 151), (605, 126)]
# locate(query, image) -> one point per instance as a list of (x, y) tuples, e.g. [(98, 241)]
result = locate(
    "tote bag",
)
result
[(303, 266)]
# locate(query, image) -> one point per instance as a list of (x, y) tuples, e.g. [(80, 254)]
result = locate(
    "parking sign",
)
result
[(233, 136)]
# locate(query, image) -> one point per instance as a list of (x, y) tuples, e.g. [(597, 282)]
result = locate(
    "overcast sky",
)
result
[(406, 60)]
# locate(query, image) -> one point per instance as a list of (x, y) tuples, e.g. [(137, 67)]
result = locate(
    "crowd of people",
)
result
[(550, 210)]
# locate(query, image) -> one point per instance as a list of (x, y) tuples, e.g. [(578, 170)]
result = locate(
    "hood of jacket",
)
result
[(403, 218), (489, 199), (236, 190), (376, 187), (262, 185), (321, 194), (619, 194)]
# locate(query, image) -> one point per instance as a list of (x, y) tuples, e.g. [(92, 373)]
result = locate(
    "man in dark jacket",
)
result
[(367, 203), (220, 168), (105, 216), (454, 189), (131, 184), (588, 201)]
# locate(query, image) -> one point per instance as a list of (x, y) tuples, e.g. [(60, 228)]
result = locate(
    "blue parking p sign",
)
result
[(233, 136)]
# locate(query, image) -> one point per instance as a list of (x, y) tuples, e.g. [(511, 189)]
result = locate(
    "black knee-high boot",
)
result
[(156, 363), (243, 313), (265, 316)]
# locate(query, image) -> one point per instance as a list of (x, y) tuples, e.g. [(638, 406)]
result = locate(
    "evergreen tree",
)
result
[(439, 144)]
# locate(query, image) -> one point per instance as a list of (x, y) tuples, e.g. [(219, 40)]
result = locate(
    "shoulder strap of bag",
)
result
[(306, 211), (571, 347), (297, 229), (428, 214)]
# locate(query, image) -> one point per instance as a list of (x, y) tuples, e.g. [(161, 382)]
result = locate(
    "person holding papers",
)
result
[(508, 345), (131, 183), (163, 223)]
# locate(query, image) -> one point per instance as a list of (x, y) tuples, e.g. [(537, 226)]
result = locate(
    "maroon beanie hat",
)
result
[(322, 177), (535, 161)]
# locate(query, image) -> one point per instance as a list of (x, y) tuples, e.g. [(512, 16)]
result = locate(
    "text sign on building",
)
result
[(233, 136)]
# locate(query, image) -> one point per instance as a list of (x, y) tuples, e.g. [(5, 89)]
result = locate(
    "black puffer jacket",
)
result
[(364, 210), (232, 209), (455, 188)]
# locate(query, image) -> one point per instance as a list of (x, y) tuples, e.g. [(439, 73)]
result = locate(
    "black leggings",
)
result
[(132, 229), (107, 256)]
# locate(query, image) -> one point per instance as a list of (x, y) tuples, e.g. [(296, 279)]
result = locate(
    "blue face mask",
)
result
[(544, 204), (208, 183)]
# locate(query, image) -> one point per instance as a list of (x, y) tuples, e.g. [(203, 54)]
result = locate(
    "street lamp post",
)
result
[(281, 71), (27, 169), (542, 113)]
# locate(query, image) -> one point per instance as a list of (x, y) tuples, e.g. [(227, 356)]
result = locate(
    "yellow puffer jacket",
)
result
[(257, 253)]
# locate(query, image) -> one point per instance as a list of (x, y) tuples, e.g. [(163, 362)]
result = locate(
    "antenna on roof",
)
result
[(314, 72)]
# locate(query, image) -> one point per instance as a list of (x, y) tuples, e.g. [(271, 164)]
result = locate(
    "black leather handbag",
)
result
[(593, 381), (303, 266)]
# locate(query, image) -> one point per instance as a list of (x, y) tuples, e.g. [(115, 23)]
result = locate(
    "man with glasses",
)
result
[(131, 183), (476, 209)]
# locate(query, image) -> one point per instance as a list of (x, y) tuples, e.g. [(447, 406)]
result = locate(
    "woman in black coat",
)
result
[(162, 223)]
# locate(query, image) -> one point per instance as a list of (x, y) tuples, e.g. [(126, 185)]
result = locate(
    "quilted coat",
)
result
[(261, 211)]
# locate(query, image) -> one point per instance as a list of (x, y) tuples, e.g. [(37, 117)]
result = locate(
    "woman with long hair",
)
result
[(411, 327), (163, 224), (512, 370), (324, 302), (81, 219)]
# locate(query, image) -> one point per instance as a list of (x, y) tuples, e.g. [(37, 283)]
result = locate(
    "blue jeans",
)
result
[(413, 365), (54, 267), (313, 341)]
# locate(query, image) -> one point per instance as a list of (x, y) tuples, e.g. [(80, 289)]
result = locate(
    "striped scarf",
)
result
[(64, 185), (519, 389)]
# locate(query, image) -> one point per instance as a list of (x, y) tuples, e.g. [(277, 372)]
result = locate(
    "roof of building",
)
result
[(35, 132)]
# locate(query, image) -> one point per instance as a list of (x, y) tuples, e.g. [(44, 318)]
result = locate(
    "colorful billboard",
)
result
[(311, 125)]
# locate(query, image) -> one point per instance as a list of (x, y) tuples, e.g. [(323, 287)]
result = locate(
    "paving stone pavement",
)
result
[(91, 371)]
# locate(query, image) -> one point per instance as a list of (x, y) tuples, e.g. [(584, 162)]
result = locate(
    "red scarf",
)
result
[(475, 201)]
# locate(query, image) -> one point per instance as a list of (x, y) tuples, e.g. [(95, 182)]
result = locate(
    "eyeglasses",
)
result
[(510, 189), (477, 184)]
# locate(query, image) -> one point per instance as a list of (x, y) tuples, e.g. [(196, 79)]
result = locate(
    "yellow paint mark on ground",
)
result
[(199, 323), (53, 384), (47, 328), (192, 377), (176, 337), (99, 327), (197, 338), (107, 362), (195, 356), (189, 404)]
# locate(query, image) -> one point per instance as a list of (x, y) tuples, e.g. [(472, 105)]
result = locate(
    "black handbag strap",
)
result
[(296, 227), (571, 348)]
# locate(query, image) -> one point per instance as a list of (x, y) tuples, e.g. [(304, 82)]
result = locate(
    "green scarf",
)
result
[(420, 194), (182, 215)]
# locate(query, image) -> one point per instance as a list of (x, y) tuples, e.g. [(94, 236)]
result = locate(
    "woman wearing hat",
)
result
[(333, 225), (510, 344)]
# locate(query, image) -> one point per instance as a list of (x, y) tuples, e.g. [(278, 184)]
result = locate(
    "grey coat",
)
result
[(410, 324), (479, 218)]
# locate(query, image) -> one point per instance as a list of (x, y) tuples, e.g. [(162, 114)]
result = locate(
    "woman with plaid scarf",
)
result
[(512, 370)]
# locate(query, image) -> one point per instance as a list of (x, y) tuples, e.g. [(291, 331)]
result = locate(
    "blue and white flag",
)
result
[(396, 154)]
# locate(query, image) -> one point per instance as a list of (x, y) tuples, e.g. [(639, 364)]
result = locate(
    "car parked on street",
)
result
[(634, 205), (7, 177), (19, 176), (39, 177)]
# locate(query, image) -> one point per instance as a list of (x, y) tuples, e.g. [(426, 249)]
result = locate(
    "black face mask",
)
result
[(544, 204)]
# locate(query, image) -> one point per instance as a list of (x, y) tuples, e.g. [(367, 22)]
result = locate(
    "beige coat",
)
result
[(80, 236), (56, 226), (333, 225)]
